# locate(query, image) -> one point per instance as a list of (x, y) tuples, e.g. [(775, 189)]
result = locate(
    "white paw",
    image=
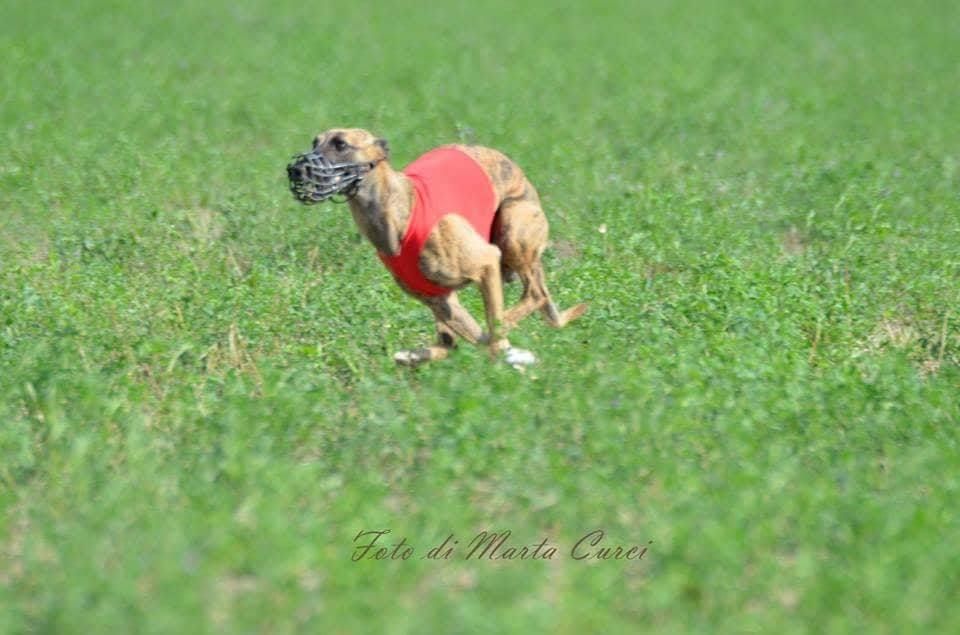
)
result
[(407, 358), (518, 357)]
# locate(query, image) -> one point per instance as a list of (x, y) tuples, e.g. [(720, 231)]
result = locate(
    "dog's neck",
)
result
[(381, 207)]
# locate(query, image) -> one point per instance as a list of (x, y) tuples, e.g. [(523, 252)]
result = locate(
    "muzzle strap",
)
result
[(314, 178)]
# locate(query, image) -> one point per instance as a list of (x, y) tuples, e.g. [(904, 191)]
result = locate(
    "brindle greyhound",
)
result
[(455, 252)]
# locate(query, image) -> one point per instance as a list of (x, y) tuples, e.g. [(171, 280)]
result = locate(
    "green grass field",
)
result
[(199, 411)]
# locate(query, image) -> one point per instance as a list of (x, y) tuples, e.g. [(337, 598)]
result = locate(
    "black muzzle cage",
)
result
[(313, 178)]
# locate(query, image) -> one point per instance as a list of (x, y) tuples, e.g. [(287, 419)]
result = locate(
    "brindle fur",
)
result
[(454, 254)]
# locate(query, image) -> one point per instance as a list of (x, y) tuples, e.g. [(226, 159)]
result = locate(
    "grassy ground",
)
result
[(198, 408)]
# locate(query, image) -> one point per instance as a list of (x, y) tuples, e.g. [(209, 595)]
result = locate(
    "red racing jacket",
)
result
[(445, 181)]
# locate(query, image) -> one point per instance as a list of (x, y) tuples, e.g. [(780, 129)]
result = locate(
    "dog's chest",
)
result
[(445, 181)]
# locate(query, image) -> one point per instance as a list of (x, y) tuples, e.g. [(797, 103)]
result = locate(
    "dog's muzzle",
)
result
[(313, 178)]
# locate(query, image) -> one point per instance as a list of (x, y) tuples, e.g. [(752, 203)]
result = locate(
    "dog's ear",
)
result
[(385, 147)]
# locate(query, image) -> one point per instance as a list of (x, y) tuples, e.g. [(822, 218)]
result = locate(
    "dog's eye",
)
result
[(338, 144)]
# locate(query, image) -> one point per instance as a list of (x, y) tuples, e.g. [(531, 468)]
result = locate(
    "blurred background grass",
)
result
[(199, 408)]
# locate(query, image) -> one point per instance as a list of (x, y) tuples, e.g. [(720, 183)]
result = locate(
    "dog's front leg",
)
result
[(491, 288), (456, 253), (453, 320)]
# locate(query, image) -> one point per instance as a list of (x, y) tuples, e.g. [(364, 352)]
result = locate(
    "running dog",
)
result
[(457, 215)]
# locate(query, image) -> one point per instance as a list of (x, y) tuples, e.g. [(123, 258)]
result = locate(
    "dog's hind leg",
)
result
[(536, 296), (555, 317), (531, 300), (522, 239)]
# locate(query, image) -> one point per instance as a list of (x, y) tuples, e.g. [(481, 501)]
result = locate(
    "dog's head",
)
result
[(339, 160)]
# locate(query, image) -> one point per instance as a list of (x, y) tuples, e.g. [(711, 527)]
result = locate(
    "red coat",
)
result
[(445, 181)]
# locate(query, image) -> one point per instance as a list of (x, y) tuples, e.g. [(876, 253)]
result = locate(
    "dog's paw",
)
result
[(408, 358), (518, 357)]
